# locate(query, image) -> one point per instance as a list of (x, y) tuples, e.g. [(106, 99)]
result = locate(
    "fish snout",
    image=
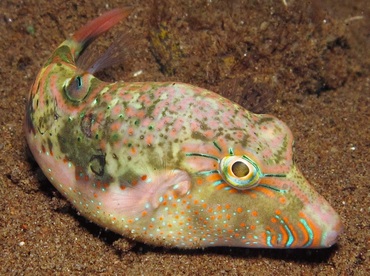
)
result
[(324, 222)]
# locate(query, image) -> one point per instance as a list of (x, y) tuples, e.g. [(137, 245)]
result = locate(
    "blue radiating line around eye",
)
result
[(218, 182), (309, 231), (202, 155), (272, 188), (274, 175), (207, 173), (217, 146), (290, 235)]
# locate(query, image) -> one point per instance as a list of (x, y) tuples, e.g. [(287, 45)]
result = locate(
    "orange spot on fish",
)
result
[(282, 200), (115, 126)]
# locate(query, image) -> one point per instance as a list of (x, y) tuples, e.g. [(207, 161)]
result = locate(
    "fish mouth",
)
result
[(327, 221)]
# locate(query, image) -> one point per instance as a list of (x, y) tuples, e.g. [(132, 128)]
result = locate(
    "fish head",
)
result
[(254, 193)]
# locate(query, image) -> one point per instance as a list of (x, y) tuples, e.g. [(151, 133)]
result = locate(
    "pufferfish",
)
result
[(166, 163)]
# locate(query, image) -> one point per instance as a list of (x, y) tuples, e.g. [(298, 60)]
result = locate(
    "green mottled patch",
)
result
[(63, 53), (128, 176), (79, 149), (279, 154)]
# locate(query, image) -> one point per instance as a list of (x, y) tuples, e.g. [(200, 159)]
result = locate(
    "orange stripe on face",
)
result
[(284, 235), (267, 192), (315, 230), (292, 230), (304, 232), (213, 177), (221, 186), (273, 236)]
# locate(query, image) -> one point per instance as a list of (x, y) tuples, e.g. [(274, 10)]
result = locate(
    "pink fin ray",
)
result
[(148, 194), (100, 25)]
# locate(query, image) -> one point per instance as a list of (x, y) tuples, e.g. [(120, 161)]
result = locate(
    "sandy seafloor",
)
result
[(306, 63)]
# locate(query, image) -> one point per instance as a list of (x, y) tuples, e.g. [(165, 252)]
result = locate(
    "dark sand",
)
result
[(307, 64)]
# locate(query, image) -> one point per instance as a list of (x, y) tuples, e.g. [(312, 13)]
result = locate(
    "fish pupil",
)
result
[(240, 169), (79, 82)]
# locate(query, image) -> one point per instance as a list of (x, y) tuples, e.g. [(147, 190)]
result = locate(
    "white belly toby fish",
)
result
[(169, 164)]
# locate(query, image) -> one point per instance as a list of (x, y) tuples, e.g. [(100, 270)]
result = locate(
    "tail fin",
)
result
[(93, 29)]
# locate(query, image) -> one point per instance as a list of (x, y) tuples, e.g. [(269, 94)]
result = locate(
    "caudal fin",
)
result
[(96, 27)]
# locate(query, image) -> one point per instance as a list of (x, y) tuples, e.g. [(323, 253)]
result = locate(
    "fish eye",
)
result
[(77, 87), (240, 172), (240, 169)]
